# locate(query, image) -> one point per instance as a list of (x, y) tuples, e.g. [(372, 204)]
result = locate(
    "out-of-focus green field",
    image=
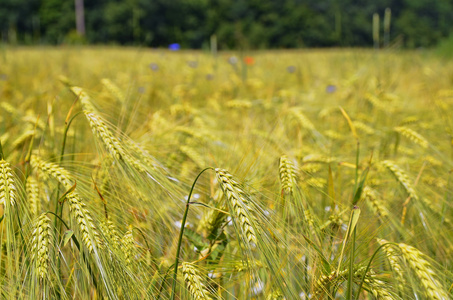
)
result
[(330, 174)]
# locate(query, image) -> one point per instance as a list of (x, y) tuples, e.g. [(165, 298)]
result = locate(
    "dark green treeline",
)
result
[(251, 24)]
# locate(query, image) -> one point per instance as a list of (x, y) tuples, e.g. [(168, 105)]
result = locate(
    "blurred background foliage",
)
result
[(238, 24)]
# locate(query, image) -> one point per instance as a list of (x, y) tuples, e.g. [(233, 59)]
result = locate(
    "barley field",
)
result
[(131, 173)]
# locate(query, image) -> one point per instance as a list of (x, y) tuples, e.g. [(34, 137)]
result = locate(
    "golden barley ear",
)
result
[(194, 282), (114, 90), (412, 135), (402, 177), (288, 174), (32, 190), (394, 259), (237, 199), (8, 189), (424, 271), (84, 221), (41, 241), (109, 230), (53, 170), (128, 246), (371, 197)]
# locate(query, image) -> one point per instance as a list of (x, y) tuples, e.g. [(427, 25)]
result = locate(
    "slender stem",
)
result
[(59, 206), (351, 267), (181, 233), (1, 150), (357, 165)]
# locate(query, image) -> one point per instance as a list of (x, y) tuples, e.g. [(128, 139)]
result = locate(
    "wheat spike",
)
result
[(32, 190), (363, 127), (246, 265), (318, 158), (375, 286), (378, 103), (370, 195), (100, 129), (54, 170), (237, 198), (194, 282), (325, 280), (239, 104), (393, 258), (211, 222), (112, 143), (287, 174), (315, 182), (84, 98), (197, 134), (41, 236), (402, 178), (412, 135), (128, 246), (4, 137), (143, 154), (22, 138), (113, 89), (109, 230), (424, 272), (83, 219), (275, 295), (193, 155), (296, 112), (8, 190)]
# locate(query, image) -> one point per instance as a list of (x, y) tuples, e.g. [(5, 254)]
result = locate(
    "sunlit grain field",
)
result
[(315, 174)]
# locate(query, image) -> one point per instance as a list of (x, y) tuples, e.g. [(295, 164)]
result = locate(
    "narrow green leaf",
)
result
[(67, 236), (330, 186), (355, 214)]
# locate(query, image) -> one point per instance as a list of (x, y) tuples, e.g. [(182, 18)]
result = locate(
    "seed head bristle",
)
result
[(371, 198), (402, 178)]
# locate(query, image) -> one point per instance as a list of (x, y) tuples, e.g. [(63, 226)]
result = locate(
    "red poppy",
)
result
[(250, 61)]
